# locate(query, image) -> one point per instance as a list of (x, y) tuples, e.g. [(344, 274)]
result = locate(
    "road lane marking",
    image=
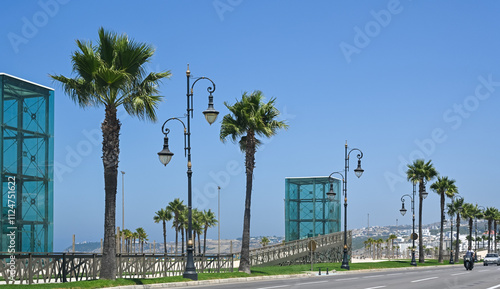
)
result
[(460, 273), (374, 276), (498, 286), (347, 279), (414, 281), (281, 286), (315, 282), (376, 287), (394, 274)]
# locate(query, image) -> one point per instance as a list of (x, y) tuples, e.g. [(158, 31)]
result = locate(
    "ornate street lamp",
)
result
[(166, 155), (358, 171), (403, 212)]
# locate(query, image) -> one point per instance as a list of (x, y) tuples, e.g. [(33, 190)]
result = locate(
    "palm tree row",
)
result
[(177, 212), (131, 237), (422, 172), (111, 74), (377, 244)]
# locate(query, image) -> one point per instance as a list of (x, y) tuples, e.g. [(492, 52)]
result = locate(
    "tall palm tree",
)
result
[(495, 223), (421, 172), (391, 238), (470, 212), (248, 118), (183, 227), (264, 241), (141, 234), (209, 220), (490, 215), (455, 209), (163, 215), (197, 219), (110, 74), (128, 235), (135, 236), (176, 207), (444, 187)]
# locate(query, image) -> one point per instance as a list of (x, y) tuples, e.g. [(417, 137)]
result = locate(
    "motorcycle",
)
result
[(468, 263)]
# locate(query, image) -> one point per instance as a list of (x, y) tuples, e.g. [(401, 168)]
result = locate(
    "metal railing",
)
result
[(295, 249), (34, 268)]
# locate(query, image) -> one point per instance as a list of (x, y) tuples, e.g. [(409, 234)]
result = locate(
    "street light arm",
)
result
[(166, 131), (210, 89)]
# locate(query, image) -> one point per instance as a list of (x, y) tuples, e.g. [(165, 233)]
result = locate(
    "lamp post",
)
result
[(452, 261), (166, 155), (403, 212), (218, 227), (358, 171)]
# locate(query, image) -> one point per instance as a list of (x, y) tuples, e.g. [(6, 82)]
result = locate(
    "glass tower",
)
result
[(308, 210), (27, 161)]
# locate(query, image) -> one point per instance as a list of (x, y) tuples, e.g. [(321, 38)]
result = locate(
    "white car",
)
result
[(491, 258)]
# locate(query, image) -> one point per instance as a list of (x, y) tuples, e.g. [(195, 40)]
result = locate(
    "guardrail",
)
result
[(34, 268), (328, 248)]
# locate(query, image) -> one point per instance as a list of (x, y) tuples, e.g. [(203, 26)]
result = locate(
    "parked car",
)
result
[(491, 258)]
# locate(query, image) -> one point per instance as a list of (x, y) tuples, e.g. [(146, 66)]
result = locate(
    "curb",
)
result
[(258, 278), (212, 282)]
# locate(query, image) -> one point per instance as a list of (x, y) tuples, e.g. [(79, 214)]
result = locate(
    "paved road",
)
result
[(455, 277)]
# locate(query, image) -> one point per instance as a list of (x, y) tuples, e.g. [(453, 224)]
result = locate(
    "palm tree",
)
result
[(135, 236), (112, 74), (128, 235), (163, 215), (183, 227), (209, 220), (391, 238), (176, 207), (264, 241), (490, 215), (379, 243), (249, 117), (470, 211), (455, 208), (367, 245), (141, 234), (444, 187), (495, 223), (421, 172), (197, 219)]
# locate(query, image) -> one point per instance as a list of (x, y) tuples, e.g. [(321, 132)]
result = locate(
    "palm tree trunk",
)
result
[(182, 241), (440, 254), (489, 234), (176, 239), (164, 236), (110, 150), (245, 240), (205, 241), (470, 233), (421, 255), (458, 238), (496, 234), (199, 244)]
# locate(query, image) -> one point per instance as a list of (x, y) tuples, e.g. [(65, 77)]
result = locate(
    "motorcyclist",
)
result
[(469, 253), (469, 259)]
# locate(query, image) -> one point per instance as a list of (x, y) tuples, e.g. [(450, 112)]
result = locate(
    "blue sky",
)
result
[(399, 80)]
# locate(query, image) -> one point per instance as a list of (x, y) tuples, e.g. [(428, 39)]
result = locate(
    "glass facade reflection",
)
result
[(27, 158), (308, 210)]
